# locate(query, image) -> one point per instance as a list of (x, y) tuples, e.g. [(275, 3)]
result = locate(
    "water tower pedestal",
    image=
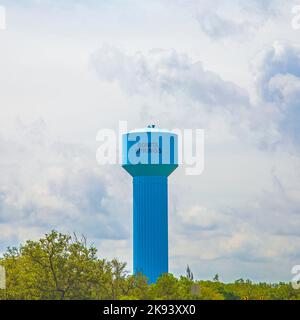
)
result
[(150, 225)]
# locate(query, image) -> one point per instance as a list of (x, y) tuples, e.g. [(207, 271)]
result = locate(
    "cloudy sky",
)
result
[(69, 68)]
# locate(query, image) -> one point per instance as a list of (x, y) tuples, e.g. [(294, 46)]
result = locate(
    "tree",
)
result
[(165, 288), (60, 267), (216, 278), (208, 293), (189, 273)]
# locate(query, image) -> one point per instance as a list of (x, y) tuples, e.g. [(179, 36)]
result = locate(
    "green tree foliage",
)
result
[(62, 267), (189, 273), (216, 277)]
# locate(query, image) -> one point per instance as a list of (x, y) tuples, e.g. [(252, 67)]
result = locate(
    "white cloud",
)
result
[(264, 232), (281, 59), (278, 83), (232, 20), (201, 218), (216, 26), (167, 72), (48, 184)]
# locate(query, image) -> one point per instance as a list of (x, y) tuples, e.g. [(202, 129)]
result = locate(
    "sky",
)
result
[(69, 68)]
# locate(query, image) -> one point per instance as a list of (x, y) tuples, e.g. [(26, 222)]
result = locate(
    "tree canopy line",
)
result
[(61, 266)]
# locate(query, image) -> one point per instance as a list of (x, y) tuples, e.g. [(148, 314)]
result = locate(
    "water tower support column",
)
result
[(150, 225)]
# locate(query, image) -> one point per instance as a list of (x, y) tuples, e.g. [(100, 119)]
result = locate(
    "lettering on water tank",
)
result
[(145, 147)]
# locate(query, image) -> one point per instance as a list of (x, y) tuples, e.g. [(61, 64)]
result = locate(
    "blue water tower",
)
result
[(150, 155)]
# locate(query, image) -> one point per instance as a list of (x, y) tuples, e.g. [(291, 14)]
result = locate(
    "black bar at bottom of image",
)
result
[(133, 309)]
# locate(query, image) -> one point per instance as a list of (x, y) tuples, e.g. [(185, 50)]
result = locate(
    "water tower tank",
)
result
[(150, 155)]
